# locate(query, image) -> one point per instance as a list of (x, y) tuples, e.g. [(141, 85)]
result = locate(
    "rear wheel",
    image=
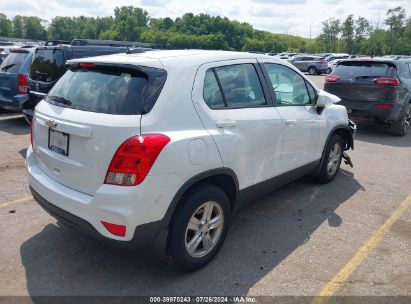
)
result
[(332, 159), (312, 71), (400, 127), (199, 227)]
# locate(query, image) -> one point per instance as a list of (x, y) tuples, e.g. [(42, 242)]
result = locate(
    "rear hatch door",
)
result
[(46, 68), (357, 81), (87, 115), (9, 71)]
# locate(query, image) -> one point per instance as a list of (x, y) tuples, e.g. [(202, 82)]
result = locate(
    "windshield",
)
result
[(350, 70), (13, 62), (47, 65), (101, 90)]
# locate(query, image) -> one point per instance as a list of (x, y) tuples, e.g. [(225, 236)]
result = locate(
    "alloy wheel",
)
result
[(204, 229), (334, 159)]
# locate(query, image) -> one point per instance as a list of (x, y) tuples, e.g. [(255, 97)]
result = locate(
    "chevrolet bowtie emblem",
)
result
[(51, 124)]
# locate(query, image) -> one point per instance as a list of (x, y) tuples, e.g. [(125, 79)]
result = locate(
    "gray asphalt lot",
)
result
[(292, 242)]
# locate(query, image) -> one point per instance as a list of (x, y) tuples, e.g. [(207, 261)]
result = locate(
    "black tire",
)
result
[(312, 70), (320, 72), (324, 176), (179, 256), (400, 127)]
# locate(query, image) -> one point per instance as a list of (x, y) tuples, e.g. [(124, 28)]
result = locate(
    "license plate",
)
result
[(58, 142)]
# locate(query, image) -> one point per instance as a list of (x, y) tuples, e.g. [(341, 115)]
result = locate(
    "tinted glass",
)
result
[(13, 62), (351, 70), (311, 92), (212, 94), (289, 87), (241, 85), (47, 65), (111, 91)]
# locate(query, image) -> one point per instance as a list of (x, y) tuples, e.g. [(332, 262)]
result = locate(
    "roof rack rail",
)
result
[(56, 42), (84, 42), (138, 50)]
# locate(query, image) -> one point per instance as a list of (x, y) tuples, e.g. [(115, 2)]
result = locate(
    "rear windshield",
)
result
[(102, 90), (13, 62), (351, 70), (47, 65)]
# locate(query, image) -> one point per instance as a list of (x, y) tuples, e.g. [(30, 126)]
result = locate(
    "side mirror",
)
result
[(326, 99)]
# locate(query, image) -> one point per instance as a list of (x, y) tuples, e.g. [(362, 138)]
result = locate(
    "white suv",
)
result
[(156, 150)]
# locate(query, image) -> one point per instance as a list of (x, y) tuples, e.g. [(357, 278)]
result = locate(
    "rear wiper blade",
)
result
[(368, 76), (61, 99), (5, 68)]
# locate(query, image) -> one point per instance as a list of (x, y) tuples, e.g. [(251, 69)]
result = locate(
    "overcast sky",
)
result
[(278, 16)]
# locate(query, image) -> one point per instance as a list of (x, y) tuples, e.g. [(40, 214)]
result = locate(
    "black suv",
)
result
[(377, 89), (48, 63)]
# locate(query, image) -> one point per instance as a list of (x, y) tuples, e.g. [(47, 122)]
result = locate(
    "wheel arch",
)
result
[(224, 178), (345, 132)]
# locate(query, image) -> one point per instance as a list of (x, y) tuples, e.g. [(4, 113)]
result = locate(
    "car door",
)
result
[(235, 106), (298, 63), (304, 128)]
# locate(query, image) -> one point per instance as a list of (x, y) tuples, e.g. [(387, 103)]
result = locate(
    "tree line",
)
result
[(354, 36)]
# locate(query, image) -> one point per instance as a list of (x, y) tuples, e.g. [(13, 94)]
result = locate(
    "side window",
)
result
[(211, 93), (240, 85), (311, 92), (289, 87)]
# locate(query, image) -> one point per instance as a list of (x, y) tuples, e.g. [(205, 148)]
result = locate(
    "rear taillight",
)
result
[(22, 83), (332, 78), (384, 106), (134, 159), (392, 82)]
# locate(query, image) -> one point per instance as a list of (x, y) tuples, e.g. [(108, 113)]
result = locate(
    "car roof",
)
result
[(171, 58)]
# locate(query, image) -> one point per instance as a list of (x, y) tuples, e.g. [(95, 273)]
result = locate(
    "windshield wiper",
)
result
[(368, 76), (61, 99), (5, 68)]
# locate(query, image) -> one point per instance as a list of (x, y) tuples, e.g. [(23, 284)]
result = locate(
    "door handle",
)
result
[(289, 122), (226, 124)]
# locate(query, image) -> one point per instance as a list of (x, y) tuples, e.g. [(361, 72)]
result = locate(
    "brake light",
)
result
[(392, 82), (134, 159), (384, 106), (332, 78), (22, 83), (87, 65), (115, 229)]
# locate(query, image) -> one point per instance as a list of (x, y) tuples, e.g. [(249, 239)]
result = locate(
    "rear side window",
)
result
[(102, 90), (47, 65), (13, 62), (212, 94), (352, 70), (240, 85)]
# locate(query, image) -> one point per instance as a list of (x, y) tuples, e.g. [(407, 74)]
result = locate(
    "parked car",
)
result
[(48, 63), (13, 79), (397, 57), (311, 64), (156, 150), (377, 89), (332, 65), (337, 56)]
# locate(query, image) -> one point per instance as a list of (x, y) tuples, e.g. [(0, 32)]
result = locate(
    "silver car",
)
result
[(311, 64)]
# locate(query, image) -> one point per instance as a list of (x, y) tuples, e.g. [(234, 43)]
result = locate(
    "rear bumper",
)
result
[(149, 239), (14, 104), (140, 211), (369, 110)]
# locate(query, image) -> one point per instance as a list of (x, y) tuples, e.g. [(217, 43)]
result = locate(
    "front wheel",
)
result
[(332, 159), (199, 227), (312, 71)]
